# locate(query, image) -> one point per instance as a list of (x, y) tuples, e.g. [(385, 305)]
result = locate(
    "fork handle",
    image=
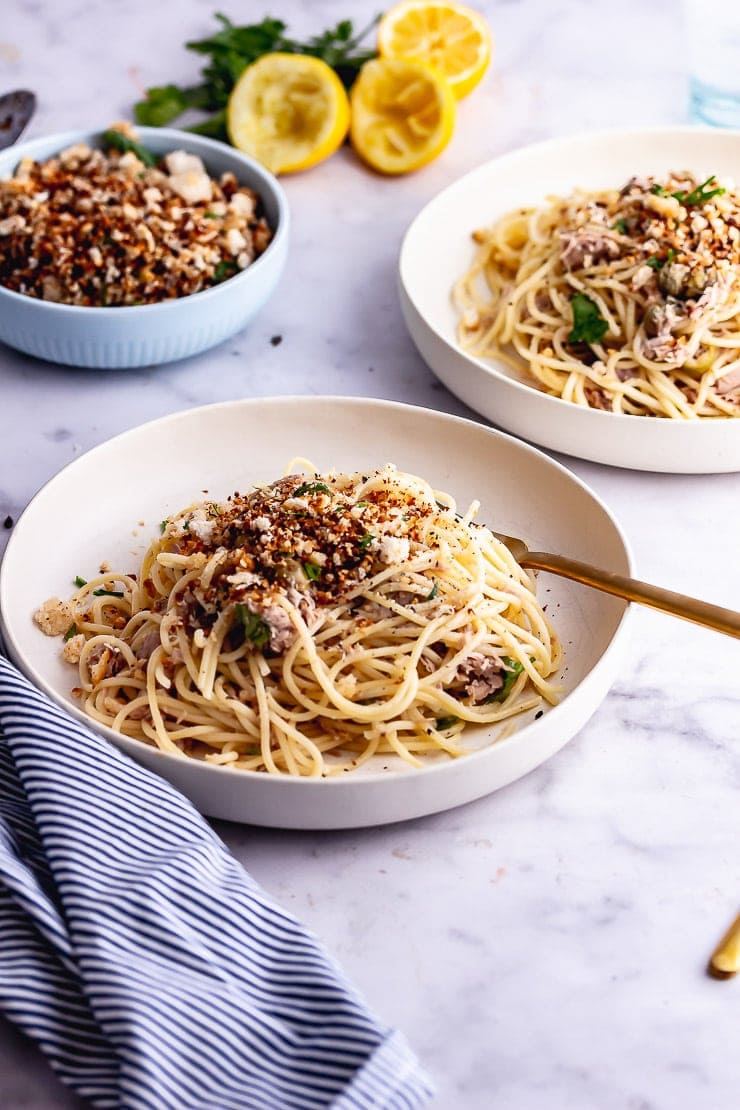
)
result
[(690, 608)]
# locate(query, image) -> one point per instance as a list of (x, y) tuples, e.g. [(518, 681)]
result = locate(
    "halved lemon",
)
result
[(289, 111), (403, 114), (453, 38)]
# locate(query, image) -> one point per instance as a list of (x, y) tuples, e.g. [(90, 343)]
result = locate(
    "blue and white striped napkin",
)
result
[(149, 967)]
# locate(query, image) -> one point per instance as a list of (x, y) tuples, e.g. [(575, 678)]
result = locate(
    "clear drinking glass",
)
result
[(712, 29)]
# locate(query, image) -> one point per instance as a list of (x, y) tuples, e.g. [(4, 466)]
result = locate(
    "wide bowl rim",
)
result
[(543, 146), (268, 184), (215, 773)]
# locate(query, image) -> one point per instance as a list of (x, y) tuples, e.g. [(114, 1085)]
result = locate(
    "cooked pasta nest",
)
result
[(312, 624), (624, 300)]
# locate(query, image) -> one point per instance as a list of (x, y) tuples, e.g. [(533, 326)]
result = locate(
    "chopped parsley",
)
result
[(432, 593), (443, 723), (621, 226), (700, 195), (589, 326), (513, 669), (107, 593), (366, 540), (124, 144), (311, 487), (225, 269), (162, 525), (80, 582), (656, 263), (255, 628), (71, 631), (312, 571)]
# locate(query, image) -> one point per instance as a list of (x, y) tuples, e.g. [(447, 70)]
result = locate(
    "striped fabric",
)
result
[(149, 967)]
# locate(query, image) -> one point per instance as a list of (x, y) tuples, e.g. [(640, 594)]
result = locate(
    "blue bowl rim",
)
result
[(268, 183)]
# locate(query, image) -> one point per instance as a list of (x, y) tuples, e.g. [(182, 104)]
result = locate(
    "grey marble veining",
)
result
[(543, 948)]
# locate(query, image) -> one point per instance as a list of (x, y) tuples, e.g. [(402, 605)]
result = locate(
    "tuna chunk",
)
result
[(482, 675), (728, 382), (579, 249)]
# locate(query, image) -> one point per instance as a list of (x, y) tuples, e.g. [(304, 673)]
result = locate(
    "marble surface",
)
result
[(545, 947)]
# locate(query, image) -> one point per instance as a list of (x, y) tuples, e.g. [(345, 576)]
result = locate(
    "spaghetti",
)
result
[(627, 301), (310, 624)]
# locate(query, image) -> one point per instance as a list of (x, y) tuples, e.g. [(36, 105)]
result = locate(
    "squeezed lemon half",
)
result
[(453, 38), (403, 114), (289, 111)]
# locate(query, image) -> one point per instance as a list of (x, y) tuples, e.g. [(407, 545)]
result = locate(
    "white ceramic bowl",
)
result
[(166, 465), (438, 249), (145, 335)]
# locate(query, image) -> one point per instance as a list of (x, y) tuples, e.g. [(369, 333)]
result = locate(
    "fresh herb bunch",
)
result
[(230, 51)]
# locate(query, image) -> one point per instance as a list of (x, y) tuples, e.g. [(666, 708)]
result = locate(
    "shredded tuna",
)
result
[(579, 249), (149, 644), (728, 382), (482, 675)]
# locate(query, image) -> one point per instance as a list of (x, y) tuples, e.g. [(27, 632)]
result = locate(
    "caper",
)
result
[(654, 319), (672, 278), (699, 279)]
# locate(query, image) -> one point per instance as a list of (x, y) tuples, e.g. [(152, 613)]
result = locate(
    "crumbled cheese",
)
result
[(191, 186), (393, 549), (235, 241), (242, 204), (201, 526), (54, 617), (72, 649), (179, 161)]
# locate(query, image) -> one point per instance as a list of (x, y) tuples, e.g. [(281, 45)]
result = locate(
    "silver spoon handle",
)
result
[(690, 608)]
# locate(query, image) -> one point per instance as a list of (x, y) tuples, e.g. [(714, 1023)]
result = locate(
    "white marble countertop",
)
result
[(545, 947)]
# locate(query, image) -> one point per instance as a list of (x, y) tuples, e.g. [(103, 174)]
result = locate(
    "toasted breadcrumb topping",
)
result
[(101, 228)]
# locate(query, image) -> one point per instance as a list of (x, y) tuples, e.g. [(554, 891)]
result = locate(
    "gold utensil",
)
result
[(725, 960), (691, 609)]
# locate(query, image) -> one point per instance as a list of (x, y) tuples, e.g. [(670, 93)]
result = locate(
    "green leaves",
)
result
[(107, 593), (123, 143), (311, 487), (700, 195), (656, 263), (313, 573), (225, 269), (366, 540), (255, 628), (442, 724), (71, 631), (80, 581), (230, 50), (589, 326)]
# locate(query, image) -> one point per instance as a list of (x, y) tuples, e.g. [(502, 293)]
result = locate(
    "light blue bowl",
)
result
[(145, 335)]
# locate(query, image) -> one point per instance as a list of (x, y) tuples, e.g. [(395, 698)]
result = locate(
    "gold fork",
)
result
[(631, 589)]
